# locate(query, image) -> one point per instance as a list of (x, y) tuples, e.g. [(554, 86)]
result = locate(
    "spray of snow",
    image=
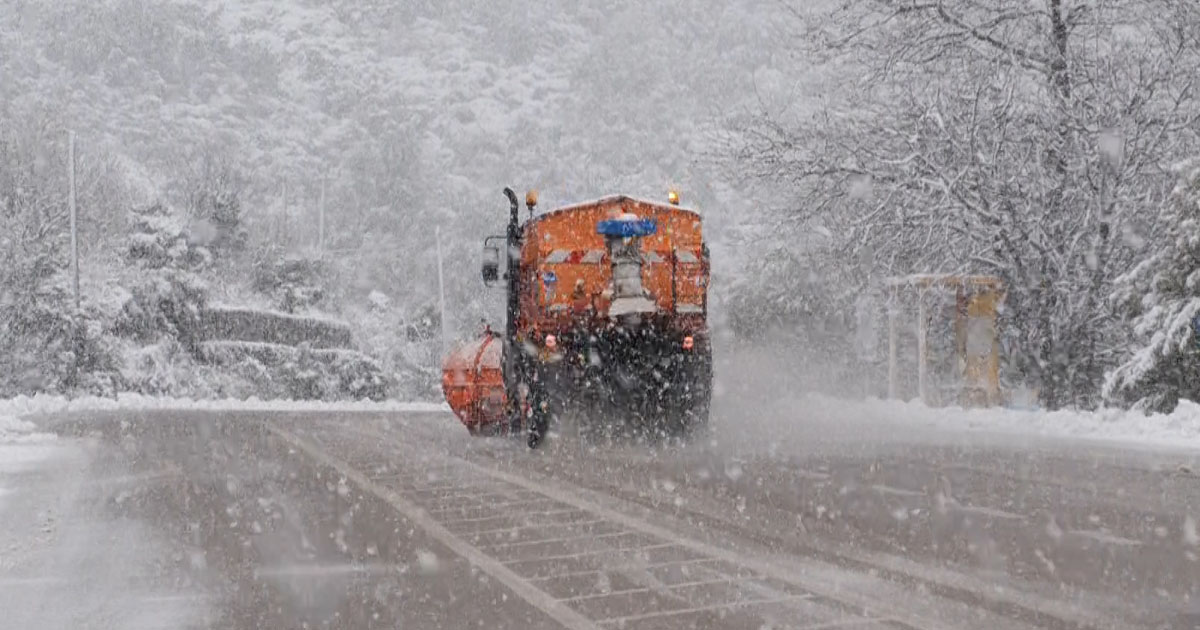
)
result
[(763, 400)]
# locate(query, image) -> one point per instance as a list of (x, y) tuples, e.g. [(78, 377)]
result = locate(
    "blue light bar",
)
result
[(625, 228)]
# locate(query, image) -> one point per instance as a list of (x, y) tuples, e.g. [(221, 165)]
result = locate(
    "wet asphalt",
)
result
[(365, 520)]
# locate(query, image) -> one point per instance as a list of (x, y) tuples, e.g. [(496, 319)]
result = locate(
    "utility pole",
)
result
[(321, 221), (893, 345), (922, 349), (441, 289), (283, 230), (74, 226)]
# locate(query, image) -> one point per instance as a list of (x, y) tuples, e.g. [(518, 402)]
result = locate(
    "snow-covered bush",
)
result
[(359, 377), (166, 368), (50, 348), (408, 348), (159, 369), (293, 283), (297, 373), (1162, 294)]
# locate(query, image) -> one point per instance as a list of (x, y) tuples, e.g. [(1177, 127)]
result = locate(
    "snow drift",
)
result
[(1178, 429)]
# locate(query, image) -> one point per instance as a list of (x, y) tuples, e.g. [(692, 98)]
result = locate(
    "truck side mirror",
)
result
[(491, 265)]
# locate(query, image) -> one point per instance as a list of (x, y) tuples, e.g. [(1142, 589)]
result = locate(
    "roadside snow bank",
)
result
[(26, 405), (21, 447), (13, 430), (1180, 428)]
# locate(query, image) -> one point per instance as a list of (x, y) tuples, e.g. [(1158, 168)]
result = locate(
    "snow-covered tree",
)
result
[(293, 283), (412, 115), (212, 194), (47, 344), (170, 292), (1162, 293), (992, 137)]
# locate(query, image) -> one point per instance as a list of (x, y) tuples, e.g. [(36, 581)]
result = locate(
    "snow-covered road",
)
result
[(201, 518), (69, 556)]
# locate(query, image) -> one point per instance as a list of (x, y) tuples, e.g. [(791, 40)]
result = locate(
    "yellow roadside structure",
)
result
[(964, 366)]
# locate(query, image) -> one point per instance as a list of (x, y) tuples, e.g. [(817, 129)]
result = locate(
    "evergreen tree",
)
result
[(1162, 295), (171, 293)]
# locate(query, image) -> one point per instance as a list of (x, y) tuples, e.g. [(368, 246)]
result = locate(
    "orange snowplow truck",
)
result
[(606, 323)]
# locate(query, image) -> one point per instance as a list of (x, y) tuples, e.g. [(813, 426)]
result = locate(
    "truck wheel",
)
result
[(537, 429), (540, 417), (696, 415), (694, 405)]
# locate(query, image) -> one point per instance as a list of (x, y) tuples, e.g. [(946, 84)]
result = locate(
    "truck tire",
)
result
[(540, 410), (695, 400)]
